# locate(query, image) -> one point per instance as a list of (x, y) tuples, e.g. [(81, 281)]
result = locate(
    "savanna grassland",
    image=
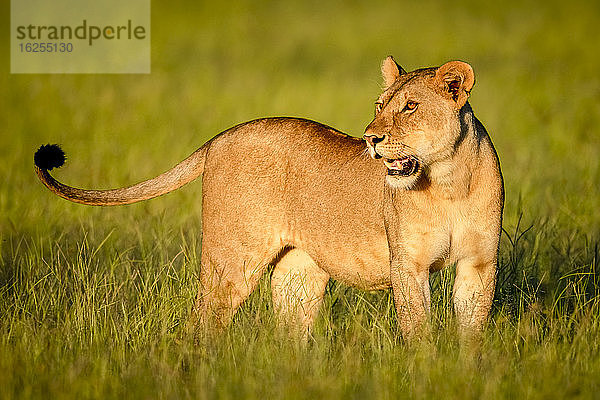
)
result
[(93, 300)]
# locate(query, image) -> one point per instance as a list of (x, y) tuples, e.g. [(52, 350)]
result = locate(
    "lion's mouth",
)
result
[(405, 166)]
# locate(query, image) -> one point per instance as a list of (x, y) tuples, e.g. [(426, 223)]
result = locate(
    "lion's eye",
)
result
[(378, 107), (410, 106)]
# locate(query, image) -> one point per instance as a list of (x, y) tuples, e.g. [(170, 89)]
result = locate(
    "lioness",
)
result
[(309, 200), (444, 192)]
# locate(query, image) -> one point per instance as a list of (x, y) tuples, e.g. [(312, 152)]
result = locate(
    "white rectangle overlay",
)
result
[(80, 36)]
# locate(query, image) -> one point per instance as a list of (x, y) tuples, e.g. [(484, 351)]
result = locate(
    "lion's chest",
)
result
[(433, 233)]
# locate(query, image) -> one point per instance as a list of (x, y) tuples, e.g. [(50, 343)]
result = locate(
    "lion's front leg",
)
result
[(473, 294), (412, 299)]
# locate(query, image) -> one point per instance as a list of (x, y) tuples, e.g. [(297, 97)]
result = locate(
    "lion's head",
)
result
[(417, 118)]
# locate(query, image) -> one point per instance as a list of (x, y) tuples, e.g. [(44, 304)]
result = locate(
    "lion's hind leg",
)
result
[(298, 286), (225, 283)]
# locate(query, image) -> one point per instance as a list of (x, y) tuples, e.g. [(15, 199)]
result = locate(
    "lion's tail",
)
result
[(51, 156)]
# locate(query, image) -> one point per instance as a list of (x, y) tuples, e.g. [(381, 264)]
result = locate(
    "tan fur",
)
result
[(302, 196), (280, 190), (184, 172), (450, 211)]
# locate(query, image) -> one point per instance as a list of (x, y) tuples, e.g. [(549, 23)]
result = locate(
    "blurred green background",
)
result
[(216, 64), (99, 293)]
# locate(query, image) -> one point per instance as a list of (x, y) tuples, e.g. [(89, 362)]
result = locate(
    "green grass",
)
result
[(92, 300)]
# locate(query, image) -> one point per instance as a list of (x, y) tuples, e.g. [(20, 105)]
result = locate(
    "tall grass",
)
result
[(104, 320), (93, 300)]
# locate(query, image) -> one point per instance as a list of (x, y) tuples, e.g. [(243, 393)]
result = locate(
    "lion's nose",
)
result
[(373, 139)]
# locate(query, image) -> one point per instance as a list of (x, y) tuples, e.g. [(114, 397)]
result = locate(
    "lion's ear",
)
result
[(391, 71), (456, 78)]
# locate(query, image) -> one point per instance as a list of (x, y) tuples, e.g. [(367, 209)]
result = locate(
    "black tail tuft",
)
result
[(49, 156)]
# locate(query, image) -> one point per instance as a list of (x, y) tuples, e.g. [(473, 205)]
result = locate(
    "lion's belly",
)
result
[(370, 272), (360, 259)]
